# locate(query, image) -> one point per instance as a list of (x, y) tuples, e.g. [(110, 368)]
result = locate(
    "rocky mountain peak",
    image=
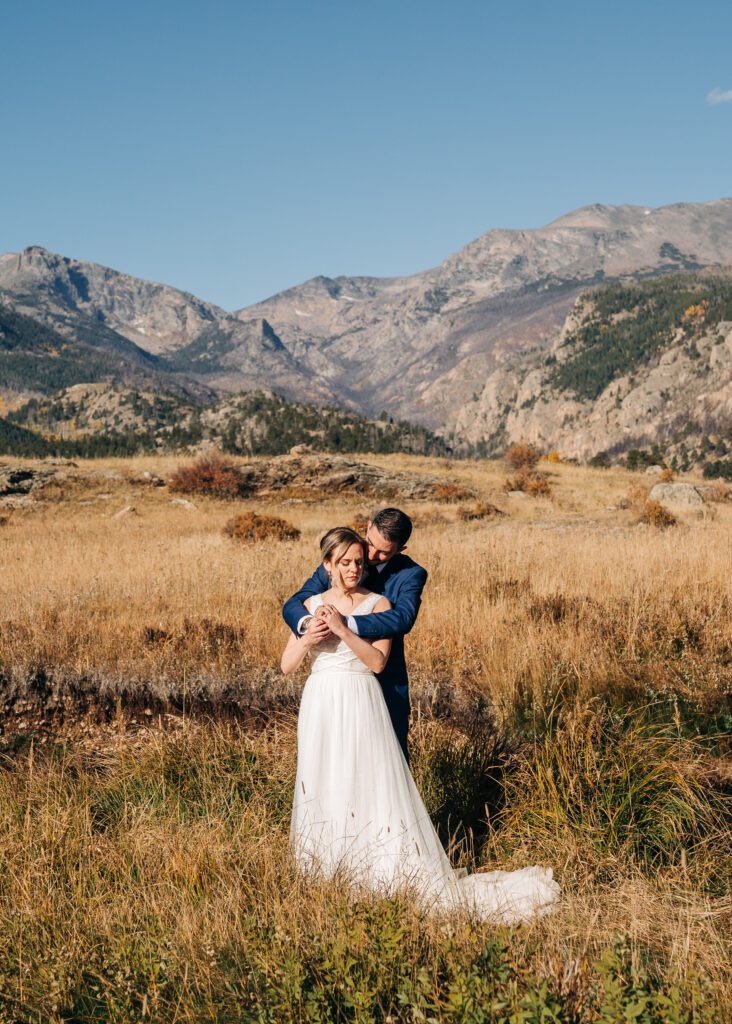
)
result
[(32, 251), (598, 216)]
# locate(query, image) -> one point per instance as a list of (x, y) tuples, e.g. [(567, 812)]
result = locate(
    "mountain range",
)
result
[(450, 348)]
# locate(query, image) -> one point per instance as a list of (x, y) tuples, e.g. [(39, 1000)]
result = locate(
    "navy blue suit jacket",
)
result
[(402, 581)]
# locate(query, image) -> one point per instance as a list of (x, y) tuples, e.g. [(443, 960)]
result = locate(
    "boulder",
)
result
[(14, 480), (680, 495), (654, 471)]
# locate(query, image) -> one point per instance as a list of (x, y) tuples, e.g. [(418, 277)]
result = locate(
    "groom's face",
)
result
[(380, 548)]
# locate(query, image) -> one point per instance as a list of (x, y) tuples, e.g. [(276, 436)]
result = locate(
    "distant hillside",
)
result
[(36, 357), (16, 440), (638, 366), (97, 419)]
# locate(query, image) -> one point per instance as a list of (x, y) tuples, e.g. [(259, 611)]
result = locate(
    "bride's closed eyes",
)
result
[(346, 562)]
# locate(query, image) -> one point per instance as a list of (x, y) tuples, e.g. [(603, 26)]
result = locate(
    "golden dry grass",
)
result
[(80, 591), (154, 881), (560, 620)]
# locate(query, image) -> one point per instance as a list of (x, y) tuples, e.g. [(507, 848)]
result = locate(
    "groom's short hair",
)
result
[(393, 524)]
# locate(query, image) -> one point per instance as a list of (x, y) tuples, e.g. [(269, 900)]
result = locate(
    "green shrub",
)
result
[(718, 469)]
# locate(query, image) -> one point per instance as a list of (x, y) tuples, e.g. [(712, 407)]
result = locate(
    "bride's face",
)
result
[(348, 569)]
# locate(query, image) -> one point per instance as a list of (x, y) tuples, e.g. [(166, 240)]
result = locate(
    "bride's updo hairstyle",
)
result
[(335, 543)]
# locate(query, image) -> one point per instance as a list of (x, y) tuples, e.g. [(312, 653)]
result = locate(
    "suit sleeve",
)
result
[(294, 609), (400, 618)]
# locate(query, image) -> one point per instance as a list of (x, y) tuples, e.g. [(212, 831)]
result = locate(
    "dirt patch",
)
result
[(49, 710)]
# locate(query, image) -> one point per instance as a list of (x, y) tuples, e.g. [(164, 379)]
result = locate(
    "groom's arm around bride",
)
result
[(397, 621), (389, 572)]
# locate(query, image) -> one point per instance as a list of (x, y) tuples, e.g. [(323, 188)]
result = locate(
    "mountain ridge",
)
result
[(419, 346), (152, 324), (506, 290)]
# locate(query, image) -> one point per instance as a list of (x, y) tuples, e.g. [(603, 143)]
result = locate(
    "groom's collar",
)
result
[(382, 567), (387, 568)]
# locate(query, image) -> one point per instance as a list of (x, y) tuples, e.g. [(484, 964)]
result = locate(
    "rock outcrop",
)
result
[(677, 495), (311, 476), (667, 382), (15, 480)]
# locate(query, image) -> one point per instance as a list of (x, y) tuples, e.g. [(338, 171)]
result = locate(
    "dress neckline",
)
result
[(354, 611)]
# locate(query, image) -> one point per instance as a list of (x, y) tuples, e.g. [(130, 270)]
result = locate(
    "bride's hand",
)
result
[(336, 623), (318, 629)]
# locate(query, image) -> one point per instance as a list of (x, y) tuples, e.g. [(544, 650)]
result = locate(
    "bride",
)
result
[(356, 806)]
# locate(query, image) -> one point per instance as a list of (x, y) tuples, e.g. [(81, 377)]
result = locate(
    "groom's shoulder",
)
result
[(407, 565)]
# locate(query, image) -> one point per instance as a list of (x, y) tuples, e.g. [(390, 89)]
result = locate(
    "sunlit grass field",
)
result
[(572, 706)]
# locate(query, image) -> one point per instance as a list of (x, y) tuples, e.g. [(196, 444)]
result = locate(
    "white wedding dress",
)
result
[(357, 809)]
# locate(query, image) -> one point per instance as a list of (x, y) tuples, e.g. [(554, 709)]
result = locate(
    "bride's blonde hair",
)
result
[(335, 543)]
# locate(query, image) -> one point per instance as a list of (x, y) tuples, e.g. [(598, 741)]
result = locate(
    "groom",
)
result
[(394, 574)]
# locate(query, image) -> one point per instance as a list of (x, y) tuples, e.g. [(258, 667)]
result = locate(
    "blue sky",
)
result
[(237, 148)]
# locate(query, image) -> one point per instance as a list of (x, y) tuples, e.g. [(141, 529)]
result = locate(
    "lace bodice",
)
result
[(333, 653)]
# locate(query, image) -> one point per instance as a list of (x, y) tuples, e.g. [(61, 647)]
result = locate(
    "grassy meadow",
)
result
[(571, 679)]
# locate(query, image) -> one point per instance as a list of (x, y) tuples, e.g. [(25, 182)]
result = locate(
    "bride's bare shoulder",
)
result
[(315, 599)]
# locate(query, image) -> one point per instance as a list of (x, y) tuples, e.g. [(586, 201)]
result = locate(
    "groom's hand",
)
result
[(305, 622)]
